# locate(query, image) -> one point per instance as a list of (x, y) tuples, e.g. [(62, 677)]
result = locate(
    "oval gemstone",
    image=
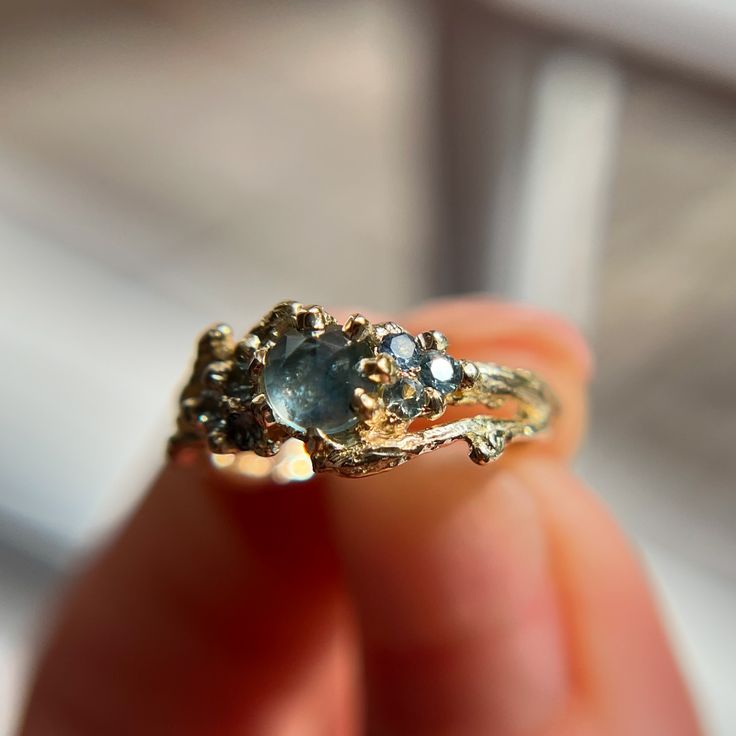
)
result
[(310, 380)]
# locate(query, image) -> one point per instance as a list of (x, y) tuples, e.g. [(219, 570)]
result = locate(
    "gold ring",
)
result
[(343, 396)]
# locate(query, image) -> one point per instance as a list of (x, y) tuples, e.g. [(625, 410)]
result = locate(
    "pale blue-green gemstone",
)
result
[(404, 398), (403, 348), (440, 371), (310, 380)]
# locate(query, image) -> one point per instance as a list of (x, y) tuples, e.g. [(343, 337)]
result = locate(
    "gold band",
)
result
[(349, 392)]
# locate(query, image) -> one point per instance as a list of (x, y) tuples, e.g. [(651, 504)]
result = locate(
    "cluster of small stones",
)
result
[(427, 375), (222, 407)]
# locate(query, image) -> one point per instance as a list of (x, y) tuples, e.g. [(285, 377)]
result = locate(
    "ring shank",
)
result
[(487, 435), (496, 384)]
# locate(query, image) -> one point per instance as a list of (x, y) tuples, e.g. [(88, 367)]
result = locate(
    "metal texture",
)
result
[(224, 406)]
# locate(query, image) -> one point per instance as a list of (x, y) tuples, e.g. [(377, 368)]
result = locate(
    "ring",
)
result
[(348, 393)]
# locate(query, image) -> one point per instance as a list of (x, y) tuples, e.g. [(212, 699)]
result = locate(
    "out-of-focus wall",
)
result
[(663, 402), (161, 170), (666, 334)]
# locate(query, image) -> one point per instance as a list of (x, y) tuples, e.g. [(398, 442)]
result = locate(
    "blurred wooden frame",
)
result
[(530, 95)]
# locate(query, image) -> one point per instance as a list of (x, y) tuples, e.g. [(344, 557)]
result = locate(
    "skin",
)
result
[(438, 598)]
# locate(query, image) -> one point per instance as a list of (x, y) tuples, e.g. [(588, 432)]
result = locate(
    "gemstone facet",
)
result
[(310, 379), (440, 371), (404, 398), (403, 348)]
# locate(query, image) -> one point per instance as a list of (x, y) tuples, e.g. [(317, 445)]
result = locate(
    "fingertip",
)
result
[(480, 317), (480, 328)]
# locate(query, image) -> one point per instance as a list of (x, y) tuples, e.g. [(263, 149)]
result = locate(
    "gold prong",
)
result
[(292, 306), (317, 440), (262, 411), (283, 309), (312, 319), (297, 313), (425, 340), (317, 318), (364, 404), (356, 326), (432, 340), (388, 328), (434, 402), (381, 369), (247, 347), (257, 363), (440, 341), (470, 373)]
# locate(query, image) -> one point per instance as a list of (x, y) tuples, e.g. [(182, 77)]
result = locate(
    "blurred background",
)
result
[(167, 164)]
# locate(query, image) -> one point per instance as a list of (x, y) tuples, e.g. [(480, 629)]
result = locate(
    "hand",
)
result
[(479, 600)]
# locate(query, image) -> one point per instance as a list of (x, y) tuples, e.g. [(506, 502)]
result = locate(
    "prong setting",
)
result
[(394, 369), (364, 404), (356, 326), (434, 402), (432, 340), (387, 328), (317, 441), (313, 319), (246, 348), (257, 363), (379, 369), (348, 391), (263, 412)]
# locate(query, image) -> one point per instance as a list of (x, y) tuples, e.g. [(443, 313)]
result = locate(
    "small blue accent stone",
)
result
[(404, 398), (403, 348), (310, 380), (440, 371)]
